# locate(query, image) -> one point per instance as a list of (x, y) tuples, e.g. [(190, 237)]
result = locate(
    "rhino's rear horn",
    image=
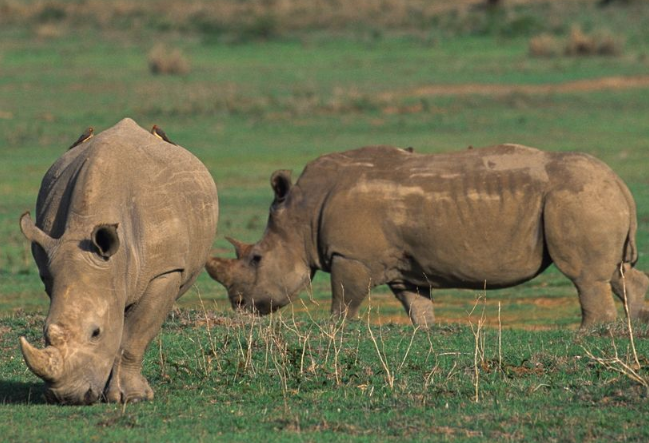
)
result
[(34, 234), (240, 248), (106, 240), (219, 269), (46, 364)]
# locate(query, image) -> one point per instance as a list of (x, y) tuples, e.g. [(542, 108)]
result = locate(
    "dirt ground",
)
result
[(588, 85)]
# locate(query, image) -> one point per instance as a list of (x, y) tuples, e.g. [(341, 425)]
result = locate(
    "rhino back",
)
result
[(163, 198), (418, 213)]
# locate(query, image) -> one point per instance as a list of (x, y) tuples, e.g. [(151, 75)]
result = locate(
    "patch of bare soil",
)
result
[(508, 319), (587, 85)]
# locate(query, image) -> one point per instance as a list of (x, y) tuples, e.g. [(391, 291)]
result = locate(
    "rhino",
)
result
[(124, 225), (479, 218)]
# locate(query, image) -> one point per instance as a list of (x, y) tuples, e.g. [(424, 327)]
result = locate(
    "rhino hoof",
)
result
[(132, 389)]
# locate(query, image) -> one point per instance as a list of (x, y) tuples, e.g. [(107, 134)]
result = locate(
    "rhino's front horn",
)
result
[(219, 269), (240, 248), (34, 234), (46, 364)]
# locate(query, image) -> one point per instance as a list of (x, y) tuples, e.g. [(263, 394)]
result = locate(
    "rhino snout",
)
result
[(85, 395), (256, 306), (238, 303)]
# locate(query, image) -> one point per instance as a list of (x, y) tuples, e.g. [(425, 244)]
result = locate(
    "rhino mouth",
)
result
[(256, 307), (86, 395)]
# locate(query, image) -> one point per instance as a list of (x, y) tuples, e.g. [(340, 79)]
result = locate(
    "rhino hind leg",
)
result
[(141, 325), (417, 303), (634, 285), (596, 300), (585, 233), (350, 283)]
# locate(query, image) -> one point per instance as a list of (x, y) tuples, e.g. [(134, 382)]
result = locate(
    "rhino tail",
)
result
[(630, 247)]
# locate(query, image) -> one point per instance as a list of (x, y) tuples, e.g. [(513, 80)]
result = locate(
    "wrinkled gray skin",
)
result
[(495, 216), (124, 226)]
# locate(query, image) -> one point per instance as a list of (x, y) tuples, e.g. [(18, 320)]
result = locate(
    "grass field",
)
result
[(261, 95)]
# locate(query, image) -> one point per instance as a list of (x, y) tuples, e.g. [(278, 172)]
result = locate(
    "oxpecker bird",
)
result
[(87, 134), (158, 132)]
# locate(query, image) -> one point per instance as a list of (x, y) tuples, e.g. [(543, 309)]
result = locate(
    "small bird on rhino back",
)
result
[(158, 132), (84, 137)]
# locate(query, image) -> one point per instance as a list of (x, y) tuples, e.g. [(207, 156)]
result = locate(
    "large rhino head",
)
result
[(83, 328), (266, 275)]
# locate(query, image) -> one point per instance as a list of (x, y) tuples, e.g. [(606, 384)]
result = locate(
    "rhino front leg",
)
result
[(417, 303), (141, 325), (350, 284)]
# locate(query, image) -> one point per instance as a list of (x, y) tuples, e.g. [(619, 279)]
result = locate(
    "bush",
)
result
[(166, 61), (544, 45), (48, 31), (578, 43)]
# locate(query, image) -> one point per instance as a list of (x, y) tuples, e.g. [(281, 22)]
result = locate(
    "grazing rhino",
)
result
[(496, 216), (124, 225)]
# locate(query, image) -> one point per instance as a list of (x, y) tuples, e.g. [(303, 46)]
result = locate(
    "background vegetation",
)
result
[(253, 86)]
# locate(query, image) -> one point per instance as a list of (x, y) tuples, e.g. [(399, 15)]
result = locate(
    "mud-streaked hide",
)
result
[(493, 217)]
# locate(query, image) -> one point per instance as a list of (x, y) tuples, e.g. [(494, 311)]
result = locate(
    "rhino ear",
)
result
[(106, 240), (280, 181), (220, 269)]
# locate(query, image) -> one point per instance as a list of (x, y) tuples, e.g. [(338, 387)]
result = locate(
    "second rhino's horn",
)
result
[(46, 363), (240, 248), (219, 269)]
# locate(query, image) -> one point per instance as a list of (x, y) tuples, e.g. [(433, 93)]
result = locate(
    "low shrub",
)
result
[(167, 61), (544, 45), (577, 44)]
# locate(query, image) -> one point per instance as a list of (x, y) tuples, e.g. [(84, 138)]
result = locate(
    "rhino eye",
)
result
[(255, 260), (96, 333)]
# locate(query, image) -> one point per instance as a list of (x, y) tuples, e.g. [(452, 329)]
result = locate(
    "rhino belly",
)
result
[(495, 240)]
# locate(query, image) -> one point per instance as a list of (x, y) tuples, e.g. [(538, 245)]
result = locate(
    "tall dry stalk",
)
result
[(163, 366), (618, 365), (212, 343), (478, 346), (383, 358), (500, 341), (334, 332), (615, 363), (628, 317)]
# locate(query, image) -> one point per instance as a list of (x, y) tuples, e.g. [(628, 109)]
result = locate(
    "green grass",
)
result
[(293, 380), (249, 108)]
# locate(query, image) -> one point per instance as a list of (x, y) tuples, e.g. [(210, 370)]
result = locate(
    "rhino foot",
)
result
[(128, 388)]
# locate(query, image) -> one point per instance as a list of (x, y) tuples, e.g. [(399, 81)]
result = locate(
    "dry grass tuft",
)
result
[(608, 44), (168, 61), (544, 45), (580, 43), (577, 44), (48, 31)]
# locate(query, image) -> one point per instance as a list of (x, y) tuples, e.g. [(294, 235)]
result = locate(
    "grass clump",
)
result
[(544, 45), (168, 61), (580, 43), (577, 44)]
